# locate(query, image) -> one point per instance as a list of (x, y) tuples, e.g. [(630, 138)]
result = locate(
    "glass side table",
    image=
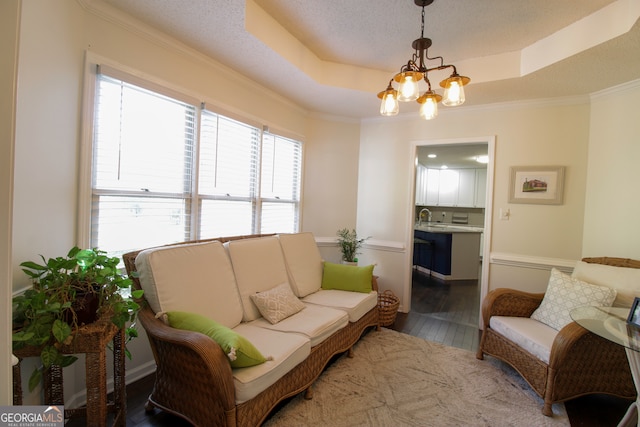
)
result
[(611, 323)]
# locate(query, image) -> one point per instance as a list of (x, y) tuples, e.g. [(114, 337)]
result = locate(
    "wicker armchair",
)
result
[(580, 362)]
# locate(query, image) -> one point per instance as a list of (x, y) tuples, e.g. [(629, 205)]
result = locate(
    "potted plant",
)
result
[(349, 245), (68, 292)]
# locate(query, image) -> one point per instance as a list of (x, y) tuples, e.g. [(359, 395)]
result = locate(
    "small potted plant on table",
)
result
[(349, 245), (68, 292)]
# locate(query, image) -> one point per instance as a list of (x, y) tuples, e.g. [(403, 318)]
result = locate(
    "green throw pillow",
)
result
[(240, 351), (347, 277)]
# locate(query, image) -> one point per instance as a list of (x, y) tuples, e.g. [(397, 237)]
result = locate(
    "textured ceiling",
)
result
[(373, 38)]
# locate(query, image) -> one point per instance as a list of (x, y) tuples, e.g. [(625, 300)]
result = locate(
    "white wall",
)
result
[(551, 133), (355, 174), (330, 176), (612, 209), (9, 33), (55, 37), (46, 149)]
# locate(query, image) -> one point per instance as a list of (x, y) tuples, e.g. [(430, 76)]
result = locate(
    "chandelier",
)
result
[(414, 71)]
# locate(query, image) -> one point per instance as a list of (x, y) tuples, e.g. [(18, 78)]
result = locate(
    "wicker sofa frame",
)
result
[(193, 377), (580, 363)]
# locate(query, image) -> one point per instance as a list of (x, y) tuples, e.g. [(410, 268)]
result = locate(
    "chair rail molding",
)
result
[(528, 261)]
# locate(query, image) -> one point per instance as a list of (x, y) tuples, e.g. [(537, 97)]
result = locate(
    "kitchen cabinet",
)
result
[(481, 188), (450, 187), (449, 255)]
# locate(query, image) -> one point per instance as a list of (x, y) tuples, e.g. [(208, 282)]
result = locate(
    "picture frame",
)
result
[(539, 185), (634, 313)]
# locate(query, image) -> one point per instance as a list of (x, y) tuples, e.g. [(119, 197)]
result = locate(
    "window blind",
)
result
[(165, 169), (280, 184), (142, 167)]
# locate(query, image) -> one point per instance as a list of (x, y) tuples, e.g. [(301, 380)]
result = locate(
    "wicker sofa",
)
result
[(578, 362), (194, 378)]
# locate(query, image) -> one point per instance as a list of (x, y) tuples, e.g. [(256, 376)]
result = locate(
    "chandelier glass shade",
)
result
[(415, 70)]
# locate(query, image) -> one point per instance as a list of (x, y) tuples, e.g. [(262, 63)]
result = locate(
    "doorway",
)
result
[(448, 295)]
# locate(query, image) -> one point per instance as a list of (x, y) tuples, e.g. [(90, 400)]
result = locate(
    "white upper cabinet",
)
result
[(481, 188), (433, 187), (451, 187), (466, 187)]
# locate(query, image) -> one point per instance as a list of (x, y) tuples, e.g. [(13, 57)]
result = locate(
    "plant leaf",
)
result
[(49, 355), (32, 265), (22, 336), (60, 330), (35, 379), (67, 360)]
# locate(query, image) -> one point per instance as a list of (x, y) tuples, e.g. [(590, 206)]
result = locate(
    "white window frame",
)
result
[(85, 189)]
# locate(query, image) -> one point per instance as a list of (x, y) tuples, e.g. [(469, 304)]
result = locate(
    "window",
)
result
[(280, 186), (165, 169)]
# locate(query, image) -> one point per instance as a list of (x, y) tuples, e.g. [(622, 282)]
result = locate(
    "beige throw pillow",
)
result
[(278, 303), (564, 293)]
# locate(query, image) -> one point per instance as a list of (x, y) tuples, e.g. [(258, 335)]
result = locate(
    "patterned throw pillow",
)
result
[(564, 293), (278, 303)]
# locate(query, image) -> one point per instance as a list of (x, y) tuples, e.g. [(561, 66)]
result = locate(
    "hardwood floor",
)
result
[(442, 312)]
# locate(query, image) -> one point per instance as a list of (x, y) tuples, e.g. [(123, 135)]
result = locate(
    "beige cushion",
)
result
[(259, 266), (277, 303), (529, 334), (304, 262), (286, 350), (315, 322), (564, 293), (355, 304), (181, 278), (626, 281)]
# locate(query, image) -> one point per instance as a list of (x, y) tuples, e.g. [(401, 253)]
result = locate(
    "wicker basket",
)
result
[(388, 305)]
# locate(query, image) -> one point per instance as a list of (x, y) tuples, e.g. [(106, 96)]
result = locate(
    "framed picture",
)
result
[(540, 185), (634, 314)]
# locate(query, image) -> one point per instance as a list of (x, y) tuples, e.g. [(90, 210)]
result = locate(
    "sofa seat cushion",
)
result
[(304, 262), (314, 322), (196, 278), (355, 304), (529, 334), (259, 266), (286, 351)]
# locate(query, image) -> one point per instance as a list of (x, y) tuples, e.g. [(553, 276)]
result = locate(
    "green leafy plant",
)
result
[(47, 314), (349, 244)]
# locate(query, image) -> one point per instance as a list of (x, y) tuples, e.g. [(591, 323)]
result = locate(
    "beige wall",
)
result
[(612, 209), (355, 174), (55, 37), (550, 133), (330, 176), (9, 33)]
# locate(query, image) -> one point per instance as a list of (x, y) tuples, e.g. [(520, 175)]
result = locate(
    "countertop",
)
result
[(447, 228)]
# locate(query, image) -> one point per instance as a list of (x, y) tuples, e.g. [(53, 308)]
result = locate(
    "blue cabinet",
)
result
[(439, 247)]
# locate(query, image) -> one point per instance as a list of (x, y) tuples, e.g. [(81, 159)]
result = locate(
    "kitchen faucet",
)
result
[(420, 216)]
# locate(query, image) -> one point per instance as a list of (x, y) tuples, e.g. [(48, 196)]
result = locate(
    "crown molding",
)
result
[(116, 17), (616, 90)]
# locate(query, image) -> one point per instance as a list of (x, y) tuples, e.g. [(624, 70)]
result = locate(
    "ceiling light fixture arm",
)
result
[(415, 70)]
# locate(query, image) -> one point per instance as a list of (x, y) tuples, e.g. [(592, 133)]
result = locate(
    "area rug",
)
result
[(395, 379)]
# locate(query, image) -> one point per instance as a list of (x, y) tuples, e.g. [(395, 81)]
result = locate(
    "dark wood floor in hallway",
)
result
[(444, 312)]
